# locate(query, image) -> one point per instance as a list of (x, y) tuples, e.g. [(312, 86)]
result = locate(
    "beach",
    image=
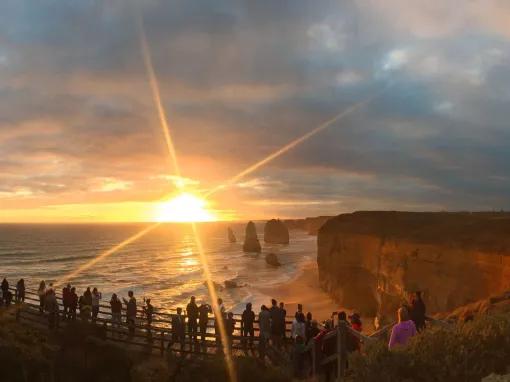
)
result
[(304, 289)]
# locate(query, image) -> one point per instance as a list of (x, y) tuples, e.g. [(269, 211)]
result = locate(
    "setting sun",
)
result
[(184, 207)]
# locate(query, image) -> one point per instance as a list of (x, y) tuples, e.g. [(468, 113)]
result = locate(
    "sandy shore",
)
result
[(305, 290)]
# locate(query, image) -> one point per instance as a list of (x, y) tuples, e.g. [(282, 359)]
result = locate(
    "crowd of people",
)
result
[(307, 339)]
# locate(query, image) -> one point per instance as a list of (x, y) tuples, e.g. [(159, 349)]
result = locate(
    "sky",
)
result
[(80, 138)]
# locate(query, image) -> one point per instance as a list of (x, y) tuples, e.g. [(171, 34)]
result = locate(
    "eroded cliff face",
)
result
[(370, 261), (310, 224)]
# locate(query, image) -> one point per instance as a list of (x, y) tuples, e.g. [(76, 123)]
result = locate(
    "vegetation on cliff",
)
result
[(463, 352)]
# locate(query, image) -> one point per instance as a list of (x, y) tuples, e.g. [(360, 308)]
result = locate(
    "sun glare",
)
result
[(183, 208)]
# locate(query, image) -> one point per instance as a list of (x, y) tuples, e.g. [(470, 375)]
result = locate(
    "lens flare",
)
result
[(291, 145), (184, 207), (104, 255), (156, 94), (216, 308)]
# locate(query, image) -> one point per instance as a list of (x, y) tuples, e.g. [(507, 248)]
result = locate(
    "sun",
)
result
[(183, 208)]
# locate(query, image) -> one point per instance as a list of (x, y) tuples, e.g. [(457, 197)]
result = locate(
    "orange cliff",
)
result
[(370, 261)]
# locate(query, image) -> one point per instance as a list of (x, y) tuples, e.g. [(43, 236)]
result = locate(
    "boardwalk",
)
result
[(156, 338)]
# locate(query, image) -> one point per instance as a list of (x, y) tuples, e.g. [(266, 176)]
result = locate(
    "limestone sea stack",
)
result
[(276, 232), (231, 236), (370, 261), (251, 241)]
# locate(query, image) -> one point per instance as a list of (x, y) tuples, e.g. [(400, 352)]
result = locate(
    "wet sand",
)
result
[(304, 289)]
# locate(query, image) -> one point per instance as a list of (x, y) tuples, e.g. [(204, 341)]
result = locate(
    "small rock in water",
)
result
[(272, 259), (231, 284)]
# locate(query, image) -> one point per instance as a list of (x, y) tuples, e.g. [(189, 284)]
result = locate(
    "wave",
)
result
[(11, 253), (49, 260)]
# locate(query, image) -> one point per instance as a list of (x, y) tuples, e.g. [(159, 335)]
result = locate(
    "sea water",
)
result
[(163, 265)]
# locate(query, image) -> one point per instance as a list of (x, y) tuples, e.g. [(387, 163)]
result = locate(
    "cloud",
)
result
[(326, 37), (239, 80), (110, 184)]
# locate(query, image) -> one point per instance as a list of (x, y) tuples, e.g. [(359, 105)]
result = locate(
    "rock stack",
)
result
[(231, 236), (276, 232), (251, 241)]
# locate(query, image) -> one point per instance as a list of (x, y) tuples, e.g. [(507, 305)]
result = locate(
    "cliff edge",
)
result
[(370, 261)]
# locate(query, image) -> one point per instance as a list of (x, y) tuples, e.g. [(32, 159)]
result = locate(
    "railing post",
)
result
[(314, 358), (341, 350), (162, 344)]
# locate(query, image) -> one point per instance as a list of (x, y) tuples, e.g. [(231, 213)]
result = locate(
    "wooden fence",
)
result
[(156, 337)]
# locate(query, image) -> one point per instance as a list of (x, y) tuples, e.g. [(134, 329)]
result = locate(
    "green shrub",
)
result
[(464, 352)]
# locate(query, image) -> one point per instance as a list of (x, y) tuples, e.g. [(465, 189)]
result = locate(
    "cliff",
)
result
[(276, 232), (310, 224), (370, 261)]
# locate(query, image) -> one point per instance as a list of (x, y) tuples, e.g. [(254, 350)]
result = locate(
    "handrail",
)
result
[(152, 335), (155, 321), (141, 312)]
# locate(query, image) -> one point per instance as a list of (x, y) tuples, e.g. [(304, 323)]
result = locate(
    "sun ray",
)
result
[(289, 146), (62, 280), (156, 93), (214, 302)]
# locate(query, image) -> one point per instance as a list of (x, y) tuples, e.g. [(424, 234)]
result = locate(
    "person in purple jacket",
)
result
[(403, 330)]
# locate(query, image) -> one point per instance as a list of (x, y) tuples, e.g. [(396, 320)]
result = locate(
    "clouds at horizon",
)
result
[(241, 79)]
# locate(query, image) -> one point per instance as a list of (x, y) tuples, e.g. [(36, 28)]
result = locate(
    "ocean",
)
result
[(164, 265)]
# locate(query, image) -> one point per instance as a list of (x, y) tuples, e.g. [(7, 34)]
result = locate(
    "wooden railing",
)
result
[(154, 337), (158, 318)]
